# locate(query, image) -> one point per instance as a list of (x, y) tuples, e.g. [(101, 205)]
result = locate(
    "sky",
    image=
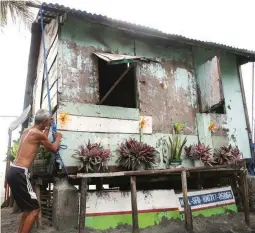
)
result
[(229, 22)]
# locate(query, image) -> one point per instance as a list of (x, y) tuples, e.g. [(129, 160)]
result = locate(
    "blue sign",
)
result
[(204, 199)]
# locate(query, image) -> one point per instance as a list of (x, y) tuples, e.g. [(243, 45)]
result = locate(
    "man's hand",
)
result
[(58, 136), (50, 121)]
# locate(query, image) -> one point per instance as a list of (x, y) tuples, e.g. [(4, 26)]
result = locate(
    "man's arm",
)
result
[(47, 129), (51, 146)]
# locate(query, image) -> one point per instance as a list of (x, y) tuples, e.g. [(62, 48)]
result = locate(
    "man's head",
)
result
[(42, 118)]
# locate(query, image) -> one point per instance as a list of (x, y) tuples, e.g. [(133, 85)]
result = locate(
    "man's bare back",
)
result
[(29, 145)]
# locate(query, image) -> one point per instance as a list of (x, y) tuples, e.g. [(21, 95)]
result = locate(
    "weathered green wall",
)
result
[(235, 124), (175, 101)]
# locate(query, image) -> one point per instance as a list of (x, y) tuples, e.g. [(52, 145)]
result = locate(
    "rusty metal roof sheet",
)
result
[(118, 58), (51, 10)]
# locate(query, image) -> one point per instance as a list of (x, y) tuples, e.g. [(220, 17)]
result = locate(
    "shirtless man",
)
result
[(18, 176)]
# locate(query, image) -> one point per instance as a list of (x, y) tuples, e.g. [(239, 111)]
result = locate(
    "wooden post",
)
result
[(38, 195), (187, 211), (134, 204), (244, 187), (83, 205)]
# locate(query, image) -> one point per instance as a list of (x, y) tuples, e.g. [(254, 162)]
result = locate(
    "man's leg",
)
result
[(22, 220), (30, 220)]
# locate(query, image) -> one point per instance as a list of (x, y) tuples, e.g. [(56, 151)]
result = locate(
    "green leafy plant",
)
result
[(176, 143), (134, 155), (199, 152), (93, 157), (44, 154), (227, 155), (176, 146), (13, 150)]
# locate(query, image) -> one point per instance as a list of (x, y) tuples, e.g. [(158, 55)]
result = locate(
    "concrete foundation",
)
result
[(65, 206)]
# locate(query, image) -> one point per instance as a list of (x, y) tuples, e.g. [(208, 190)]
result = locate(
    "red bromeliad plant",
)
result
[(93, 157), (199, 152), (134, 155), (227, 155)]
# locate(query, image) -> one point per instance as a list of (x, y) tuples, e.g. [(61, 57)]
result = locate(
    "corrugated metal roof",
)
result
[(118, 58), (50, 10)]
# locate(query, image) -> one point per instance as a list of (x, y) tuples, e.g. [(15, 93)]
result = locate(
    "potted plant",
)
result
[(93, 157), (41, 164), (134, 155), (199, 153), (176, 146), (227, 155)]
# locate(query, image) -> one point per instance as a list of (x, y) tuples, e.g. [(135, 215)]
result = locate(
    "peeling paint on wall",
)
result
[(176, 101), (184, 80), (79, 74)]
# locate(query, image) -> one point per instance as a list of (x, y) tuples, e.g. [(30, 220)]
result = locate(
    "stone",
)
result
[(65, 206)]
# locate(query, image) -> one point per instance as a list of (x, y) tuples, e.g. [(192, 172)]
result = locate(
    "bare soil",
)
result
[(232, 223)]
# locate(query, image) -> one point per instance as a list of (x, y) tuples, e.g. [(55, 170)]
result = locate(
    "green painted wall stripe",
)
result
[(92, 110), (149, 219), (144, 219)]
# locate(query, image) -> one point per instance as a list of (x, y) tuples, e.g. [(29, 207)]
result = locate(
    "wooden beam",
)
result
[(115, 84), (245, 196), (249, 129), (134, 204), (187, 212), (221, 168), (83, 201)]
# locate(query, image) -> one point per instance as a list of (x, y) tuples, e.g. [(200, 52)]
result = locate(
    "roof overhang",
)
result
[(113, 59)]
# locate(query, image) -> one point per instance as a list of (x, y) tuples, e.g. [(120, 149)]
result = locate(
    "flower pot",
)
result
[(198, 163), (141, 167), (175, 163)]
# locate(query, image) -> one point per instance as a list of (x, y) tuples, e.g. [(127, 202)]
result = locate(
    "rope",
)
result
[(53, 124)]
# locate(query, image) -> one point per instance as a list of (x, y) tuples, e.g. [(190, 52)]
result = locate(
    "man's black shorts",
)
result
[(25, 197)]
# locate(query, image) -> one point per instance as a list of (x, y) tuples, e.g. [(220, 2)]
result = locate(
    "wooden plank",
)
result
[(104, 125), (53, 90), (249, 130), (134, 204), (52, 76), (92, 110), (222, 168), (52, 53), (38, 195), (204, 135), (51, 31), (245, 196), (53, 102), (209, 82), (83, 205), (187, 212)]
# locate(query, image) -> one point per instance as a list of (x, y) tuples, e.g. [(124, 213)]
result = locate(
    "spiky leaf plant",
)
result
[(133, 154), (94, 157), (199, 152), (227, 155)]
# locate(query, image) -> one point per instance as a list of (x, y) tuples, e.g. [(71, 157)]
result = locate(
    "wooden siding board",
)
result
[(91, 110)]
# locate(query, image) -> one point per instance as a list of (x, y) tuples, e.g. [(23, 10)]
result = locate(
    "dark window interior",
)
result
[(124, 94)]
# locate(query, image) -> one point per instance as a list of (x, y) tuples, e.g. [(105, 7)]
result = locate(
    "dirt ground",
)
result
[(231, 223)]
